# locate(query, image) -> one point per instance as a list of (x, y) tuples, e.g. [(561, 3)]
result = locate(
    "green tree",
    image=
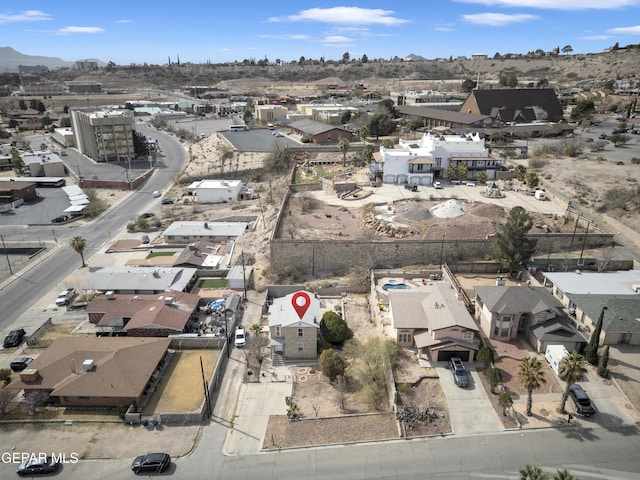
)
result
[(505, 401), (583, 109), (603, 362), (248, 113), (532, 472), (520, 172), (346, 117), (451, 171), (563, 474), (343, 145), (41, 107), (567, 49), (482, 177), (468, 85), (367, 152), (16, 160), (531, 179), (379, 125), (486, 356), (532, 378), (334, 329), (79, 244), (594, 340), (279, 159), (619, 139), (462, 170), (387, 106), (332, 364), (494, 377), (511, 247), (571, 369)]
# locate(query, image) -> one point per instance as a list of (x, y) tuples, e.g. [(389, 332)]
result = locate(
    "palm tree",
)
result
[(532, 377), (79, 244), (563, 474), (571, 369), (532, 472), (343, 145)]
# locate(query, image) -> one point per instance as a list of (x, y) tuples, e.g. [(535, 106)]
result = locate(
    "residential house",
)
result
[(151, 315), (506, 312), (587, 295), (219, 191), (294, 331), (205, 255), (183, 233), (420, 162), (515, 105), (141, 280), (318, 132), (433, 320), (94, 372)]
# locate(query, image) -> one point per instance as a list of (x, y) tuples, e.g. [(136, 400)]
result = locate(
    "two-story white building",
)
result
[(219, 191), (422, 161)]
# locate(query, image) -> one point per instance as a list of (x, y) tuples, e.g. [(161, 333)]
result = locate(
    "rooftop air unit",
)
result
[(88, 365)]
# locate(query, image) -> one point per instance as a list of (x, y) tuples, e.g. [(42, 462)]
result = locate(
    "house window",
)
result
[(467, 335), (301, 347), (278, 332), (404, 337), (300, 332)]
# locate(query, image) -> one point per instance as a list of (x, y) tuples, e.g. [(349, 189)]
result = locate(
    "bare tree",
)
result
[(340, 384)]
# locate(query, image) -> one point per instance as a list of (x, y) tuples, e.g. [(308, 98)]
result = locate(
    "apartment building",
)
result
[(106, 135)]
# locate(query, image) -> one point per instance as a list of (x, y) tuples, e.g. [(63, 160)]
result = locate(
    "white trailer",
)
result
[(554, 355)]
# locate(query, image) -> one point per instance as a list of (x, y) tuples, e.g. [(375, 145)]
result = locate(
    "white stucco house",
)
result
[(219, 191), (421, 162)]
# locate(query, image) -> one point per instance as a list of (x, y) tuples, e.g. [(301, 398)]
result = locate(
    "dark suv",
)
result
[(14, 338), (458, 371), (581, 400), (411, 187)]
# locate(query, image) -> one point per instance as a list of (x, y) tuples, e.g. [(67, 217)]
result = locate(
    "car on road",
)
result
[(603, 136), (147, 215), (65, 297), (20, 363), (145, 239), (470, 184), (437, 185), (168, 201), (14, 338), (240, 337), (156, 194), (411, 187), (39, 464), (277, 134), (460, 375), (151, 462), (581, 400)]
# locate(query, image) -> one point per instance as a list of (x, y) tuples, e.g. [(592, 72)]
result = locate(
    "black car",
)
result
[(147, 215), (60, 219), (581, 400), (21, 363), (413, 188), (36, 465), (167, 201), (151, 462), (14, 338)]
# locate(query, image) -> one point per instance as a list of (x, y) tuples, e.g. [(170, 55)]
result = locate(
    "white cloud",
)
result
[(558, 4), (26, 16), (597, 37), (497, 19), (625, 30), (290, 36), (337, 39), (344, 16), (72, 30), (124, 21)]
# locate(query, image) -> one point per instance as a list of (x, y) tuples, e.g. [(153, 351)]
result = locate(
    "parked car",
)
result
[(20, 363), (603, 136), (167, 201), (411, 187), (14, 338), (156, 194), (145, 239), (60, 219), (240, 337), (437, 185), (151, 462), (470, 184), (65, 297), (147, 215), (277, 134), (460, 376), (37, 465), (581, 400)]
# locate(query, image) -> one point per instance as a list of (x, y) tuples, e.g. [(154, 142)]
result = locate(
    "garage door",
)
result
[(445, 355)]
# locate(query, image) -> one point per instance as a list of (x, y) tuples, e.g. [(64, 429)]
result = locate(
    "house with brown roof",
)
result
[(432, 118), (515, 105), (433, 320), (94, 372), (152, 315), (319, 132)]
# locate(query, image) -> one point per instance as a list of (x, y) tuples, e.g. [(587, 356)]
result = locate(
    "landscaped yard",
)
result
[(213, 283)]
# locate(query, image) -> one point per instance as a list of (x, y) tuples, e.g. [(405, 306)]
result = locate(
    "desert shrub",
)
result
[(332, 364), (537, 162)]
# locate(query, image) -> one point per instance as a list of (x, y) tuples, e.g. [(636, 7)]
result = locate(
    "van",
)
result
[(554, 355)]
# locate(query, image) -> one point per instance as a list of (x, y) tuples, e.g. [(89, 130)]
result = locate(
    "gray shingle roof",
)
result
[(518, 299)]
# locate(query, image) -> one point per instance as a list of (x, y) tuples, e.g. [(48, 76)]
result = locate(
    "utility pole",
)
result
[(7, 254), (244, 276)]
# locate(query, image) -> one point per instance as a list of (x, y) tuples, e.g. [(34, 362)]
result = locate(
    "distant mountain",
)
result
[(10, 59), (414, 58)]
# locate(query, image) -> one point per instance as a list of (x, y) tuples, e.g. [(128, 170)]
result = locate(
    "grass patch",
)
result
[(161, 254), (213, 283)]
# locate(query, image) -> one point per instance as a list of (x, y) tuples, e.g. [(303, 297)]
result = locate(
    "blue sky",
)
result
[(141, 31)]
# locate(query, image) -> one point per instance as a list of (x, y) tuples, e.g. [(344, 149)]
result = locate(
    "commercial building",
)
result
[(105, 136)]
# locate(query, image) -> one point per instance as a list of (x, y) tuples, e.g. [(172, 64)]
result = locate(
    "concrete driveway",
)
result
[(469, 408)]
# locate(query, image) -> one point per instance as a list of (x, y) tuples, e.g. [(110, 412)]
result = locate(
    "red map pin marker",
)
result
[(301, 302)]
